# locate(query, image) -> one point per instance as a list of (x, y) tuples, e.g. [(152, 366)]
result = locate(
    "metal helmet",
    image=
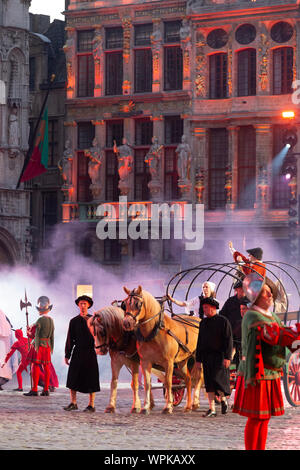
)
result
[(252, 286), (43, 304)]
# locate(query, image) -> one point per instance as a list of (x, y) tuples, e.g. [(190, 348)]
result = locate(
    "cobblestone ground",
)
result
[(40, 423)]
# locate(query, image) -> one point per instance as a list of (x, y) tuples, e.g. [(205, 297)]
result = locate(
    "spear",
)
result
[(25, 305)]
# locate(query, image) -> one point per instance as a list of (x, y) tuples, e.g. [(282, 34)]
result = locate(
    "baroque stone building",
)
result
[(15, 237), (181, 101)]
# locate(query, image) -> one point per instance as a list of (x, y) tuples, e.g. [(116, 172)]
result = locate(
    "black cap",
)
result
[(256, 252), (210, 301), (86, 298)]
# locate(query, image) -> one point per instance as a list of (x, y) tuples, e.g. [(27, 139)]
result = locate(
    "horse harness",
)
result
[(160, 325)]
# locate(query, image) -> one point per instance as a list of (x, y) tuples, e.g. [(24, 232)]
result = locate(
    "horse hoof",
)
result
[(135, 410), (145, 411), (187, 410), (167, 411), (196, 407), (109, 409)]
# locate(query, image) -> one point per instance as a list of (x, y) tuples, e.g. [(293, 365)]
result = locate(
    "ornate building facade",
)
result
[(15, 237), (181, 101)]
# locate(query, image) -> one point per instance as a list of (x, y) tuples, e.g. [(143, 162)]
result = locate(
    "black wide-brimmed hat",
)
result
[(86, 298), (210, 301), (238, 284), (256, 252), (43, 304)]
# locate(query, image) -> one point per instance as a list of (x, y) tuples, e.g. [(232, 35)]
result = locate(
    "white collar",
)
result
[(263, 311)]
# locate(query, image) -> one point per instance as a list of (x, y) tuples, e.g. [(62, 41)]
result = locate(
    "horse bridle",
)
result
[(105, 345), (132, 295)]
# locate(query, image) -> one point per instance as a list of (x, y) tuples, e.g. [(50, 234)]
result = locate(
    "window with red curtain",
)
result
[(218, 157), (173, 134), (85, 63), (246, 72), (218, 75), (246, 167), (283, 61)]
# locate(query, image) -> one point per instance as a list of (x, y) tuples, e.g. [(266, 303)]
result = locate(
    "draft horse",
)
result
[(162, 341), (106, 326)]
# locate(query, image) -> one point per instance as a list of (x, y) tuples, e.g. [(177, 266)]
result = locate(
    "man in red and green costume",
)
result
[(42, 331), (258, 392)]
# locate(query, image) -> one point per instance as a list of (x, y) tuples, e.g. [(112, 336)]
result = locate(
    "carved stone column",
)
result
[(156, 187), (70, 52), (264, 148), (157, 61), (127, 26), (200, 67), (199, 148), (185, 39), (98, 62)]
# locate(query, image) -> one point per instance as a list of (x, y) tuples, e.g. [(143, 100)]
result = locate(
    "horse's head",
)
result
[(99, 333), (134, 308)]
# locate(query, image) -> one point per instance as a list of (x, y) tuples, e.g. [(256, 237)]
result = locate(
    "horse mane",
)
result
[(111, 318), (151, 304)]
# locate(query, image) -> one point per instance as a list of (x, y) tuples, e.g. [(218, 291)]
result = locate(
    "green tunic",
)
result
[(273, 356), (44, 329)]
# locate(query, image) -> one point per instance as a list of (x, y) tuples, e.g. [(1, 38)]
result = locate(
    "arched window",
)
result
[(218, 75), (283, 61), (246, 167), (247, 72)]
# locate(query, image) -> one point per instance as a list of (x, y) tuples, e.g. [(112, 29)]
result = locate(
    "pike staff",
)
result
[(25, 305)]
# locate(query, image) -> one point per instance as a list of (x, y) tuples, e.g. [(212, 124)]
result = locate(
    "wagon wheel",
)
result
[(178, 394), (291, 378)]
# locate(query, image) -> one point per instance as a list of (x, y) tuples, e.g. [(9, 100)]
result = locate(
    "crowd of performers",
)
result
[(246, 330)]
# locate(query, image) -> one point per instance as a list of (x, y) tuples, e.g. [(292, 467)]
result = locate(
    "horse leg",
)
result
[(168, 387), (146, 367), (136, 405), (188, 384), (115, 370), (196, 375)]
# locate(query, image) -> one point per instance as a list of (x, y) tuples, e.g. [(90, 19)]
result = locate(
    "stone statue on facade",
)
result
[(95, 156), (124, 154), (65, 164), (13, 129), (185, 31), (183, 151), (152, 158)]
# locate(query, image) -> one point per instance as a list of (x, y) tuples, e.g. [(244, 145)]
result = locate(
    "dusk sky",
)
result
[(53, 8)]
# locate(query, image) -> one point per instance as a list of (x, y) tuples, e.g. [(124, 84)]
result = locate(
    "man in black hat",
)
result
[(214, 350), (83, 373), (252, 264)]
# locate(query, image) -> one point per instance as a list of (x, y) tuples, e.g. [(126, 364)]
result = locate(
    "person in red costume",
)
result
[(252, 264), (42, 331), (22, 346)]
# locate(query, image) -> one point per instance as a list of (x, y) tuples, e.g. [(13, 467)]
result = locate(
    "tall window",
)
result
[(246, 167), (247, 72), (50, 217), (86, 134), (85, 62), (143, 136), (173, 134), (142, 58), (283, 60), (173, 61), (218, 157), (114, 61), (52, 142), (114, 132), (280, 188), (218, 75)]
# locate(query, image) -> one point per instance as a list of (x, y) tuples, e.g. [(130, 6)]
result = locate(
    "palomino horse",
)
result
[(106, 325), (162, 341)]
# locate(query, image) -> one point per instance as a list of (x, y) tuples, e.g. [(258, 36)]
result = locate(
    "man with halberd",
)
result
[(42, 333), (80, 356), (214, 351)]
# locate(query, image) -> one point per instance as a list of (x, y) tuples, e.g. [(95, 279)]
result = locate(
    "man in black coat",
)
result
[(214, 350), (83, 373), (232, 311)]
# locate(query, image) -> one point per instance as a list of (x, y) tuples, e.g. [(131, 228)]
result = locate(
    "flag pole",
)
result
[(29, 151)]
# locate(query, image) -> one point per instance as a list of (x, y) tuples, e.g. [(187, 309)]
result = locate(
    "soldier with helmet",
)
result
[(42, 333)]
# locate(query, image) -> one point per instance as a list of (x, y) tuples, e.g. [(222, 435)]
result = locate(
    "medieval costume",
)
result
[(42, 333), (258, 393), (6, 339), (214, 349), (22, 346), (248, 266), (83, 373)]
